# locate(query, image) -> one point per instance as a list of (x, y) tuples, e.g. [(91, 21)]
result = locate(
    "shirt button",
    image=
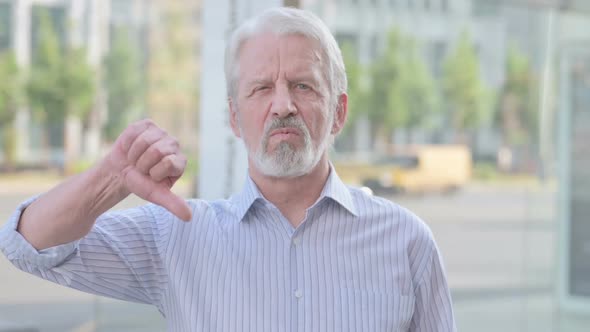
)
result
[(296, 241), (298, 294)]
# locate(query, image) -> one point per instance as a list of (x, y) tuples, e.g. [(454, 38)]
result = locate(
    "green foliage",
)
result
[(385, 110), (463, 88), (403, 93), (485, 171), (419, 90), (517, 114), (357, 94), (10, 88), (61, 83), (172, 78), (123, 83), (78, 81), (10, 97)]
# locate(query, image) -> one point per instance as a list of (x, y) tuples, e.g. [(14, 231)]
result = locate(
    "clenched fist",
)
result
[(149, 161)]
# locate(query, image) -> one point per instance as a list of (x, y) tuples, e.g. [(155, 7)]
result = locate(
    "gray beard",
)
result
[(287, 160)]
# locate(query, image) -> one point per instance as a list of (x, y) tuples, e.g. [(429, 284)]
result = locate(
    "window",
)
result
[(347, 39), (5, 26), (57, 19), (121, 11), (437, 52), (485, 8)]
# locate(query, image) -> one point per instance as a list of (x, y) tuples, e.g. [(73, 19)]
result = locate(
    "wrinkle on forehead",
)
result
[(262, 58)]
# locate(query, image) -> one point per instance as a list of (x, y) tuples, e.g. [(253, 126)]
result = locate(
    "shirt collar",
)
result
[(243, 200), (334, 189)]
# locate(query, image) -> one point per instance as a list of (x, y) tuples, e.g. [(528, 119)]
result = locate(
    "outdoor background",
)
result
[(507, 81)]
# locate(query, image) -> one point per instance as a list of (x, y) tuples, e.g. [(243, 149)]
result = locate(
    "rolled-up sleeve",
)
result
[(16, 248), (121, 257)]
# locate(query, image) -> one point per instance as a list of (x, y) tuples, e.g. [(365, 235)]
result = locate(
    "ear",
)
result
[(340, 114), (234, 120)]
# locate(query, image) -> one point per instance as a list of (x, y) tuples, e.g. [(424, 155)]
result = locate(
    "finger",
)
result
[(155, 153), (172, 166), (172, 203), (143, 142), (132, 131)]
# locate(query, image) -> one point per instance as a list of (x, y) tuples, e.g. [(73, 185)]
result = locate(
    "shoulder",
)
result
[(375, 208), (409, 230)]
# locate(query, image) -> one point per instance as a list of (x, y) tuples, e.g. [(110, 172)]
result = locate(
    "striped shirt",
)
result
[(356, 263)]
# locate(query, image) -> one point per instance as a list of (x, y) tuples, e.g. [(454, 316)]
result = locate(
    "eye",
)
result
[(302, 86), (260, 88)]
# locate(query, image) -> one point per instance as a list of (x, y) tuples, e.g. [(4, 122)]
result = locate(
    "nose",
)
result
[(282, 103)]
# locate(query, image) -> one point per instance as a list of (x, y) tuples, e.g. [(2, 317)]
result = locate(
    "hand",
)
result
[(149, 162)]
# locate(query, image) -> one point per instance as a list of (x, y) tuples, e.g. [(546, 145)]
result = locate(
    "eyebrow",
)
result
[(307, 77), (259, 81)]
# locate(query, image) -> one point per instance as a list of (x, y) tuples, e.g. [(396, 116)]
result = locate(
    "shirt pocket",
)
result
[(364, 310)]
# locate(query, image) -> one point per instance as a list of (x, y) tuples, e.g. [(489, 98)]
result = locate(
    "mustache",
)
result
[(288, 122)]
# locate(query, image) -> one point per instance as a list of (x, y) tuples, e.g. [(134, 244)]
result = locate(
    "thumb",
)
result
[(171, 202)]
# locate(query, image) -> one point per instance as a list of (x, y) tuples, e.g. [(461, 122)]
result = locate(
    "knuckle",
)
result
[(157, 153), (175, 142), (142, 140), (168, 163)]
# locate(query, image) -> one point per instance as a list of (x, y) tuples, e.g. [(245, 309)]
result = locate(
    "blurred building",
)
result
[(154, 26), (435, 24), (173, 69)]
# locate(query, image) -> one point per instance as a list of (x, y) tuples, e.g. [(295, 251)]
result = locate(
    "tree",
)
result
[(356, 92), (463, 89), (419, 91), (517, 114), (10, 97), (61, 86), (386, 111), (403, 93), (123, 83), (172, 97)]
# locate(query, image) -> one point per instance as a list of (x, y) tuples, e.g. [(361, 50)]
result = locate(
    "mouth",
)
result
[(285, 132)]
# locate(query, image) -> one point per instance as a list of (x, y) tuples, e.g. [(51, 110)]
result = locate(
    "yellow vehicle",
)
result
[(416, 169)]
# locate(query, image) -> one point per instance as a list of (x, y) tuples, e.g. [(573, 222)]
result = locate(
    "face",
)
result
[(283, 109)]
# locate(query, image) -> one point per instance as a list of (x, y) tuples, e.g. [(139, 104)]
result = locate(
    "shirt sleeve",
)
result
[(122, 257), (433, 310)]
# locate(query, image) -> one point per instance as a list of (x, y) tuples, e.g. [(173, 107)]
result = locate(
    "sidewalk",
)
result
[(27, 183), (34, 182)]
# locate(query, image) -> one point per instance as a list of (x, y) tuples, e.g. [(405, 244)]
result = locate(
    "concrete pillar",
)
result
[(21, 37)]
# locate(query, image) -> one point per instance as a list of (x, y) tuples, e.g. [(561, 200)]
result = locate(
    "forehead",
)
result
[(269, 54)]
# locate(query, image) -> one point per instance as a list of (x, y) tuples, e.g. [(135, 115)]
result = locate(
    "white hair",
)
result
[(288, 21)]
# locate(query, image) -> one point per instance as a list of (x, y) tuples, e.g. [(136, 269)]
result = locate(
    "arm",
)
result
[(144, 161), (124, 256), (433, 310)]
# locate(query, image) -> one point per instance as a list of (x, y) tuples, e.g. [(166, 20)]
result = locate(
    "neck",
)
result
[(294, 195)]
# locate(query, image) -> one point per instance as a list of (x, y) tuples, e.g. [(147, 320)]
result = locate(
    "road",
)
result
[(499, 244)]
